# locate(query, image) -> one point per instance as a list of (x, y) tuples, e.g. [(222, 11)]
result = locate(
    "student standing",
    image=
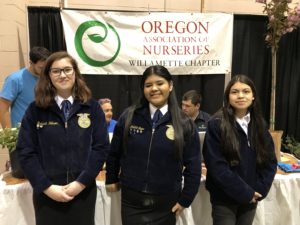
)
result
[(153, 146), (239, 155), (18, 89), (62, 145)]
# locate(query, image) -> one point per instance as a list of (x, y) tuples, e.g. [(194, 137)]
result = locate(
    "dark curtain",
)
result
[(125, 89), (45, 28), (288, 83), (251, 57)]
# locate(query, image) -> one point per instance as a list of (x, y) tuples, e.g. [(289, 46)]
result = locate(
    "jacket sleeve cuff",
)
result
[(86, 179), (42, 186)]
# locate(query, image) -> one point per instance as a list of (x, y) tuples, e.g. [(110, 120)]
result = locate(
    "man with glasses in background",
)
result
[(107, 108), (18, 89)]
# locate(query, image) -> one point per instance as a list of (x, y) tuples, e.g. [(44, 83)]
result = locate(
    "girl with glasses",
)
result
[(62, 145)]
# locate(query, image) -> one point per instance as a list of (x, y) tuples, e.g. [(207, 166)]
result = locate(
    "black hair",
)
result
[(229, 133), (38, 54), (192, 95), (179, 120)]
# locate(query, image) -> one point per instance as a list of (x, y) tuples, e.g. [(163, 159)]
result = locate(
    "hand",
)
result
[(113, 187), (73, 188), (177, 209), (57, 193), (255, 197)]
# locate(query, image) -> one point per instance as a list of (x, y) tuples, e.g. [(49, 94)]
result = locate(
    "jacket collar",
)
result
[(144, 112), (75, 107)]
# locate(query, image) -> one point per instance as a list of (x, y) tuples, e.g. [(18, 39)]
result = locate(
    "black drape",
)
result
[(45, 28), (125, 89), (251, 57), (288, 83)]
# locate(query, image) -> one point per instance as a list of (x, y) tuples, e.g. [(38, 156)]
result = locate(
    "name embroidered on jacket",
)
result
[(133, 129), (40, 124)]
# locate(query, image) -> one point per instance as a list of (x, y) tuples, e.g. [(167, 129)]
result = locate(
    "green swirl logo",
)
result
[(96, 38)]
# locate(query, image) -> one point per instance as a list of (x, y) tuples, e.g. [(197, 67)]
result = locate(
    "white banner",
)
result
[(128, 42)]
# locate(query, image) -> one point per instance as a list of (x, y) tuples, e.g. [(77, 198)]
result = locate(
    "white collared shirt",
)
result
[(244, 122), (58, 99), (163, 109)]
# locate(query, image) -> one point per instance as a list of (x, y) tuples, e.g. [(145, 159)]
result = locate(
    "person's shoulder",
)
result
[(19, 73), (214, 120), (205, 115), (32, 107), (15, 76)]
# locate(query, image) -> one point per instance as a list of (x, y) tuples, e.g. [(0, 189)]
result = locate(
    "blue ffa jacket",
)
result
[(149, 165), (52, 151), (235, 183)]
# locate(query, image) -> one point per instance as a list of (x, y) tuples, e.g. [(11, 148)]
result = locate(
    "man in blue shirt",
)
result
[(18, 89)]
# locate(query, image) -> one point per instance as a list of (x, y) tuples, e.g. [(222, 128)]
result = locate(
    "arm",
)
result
[(266, 174), (4, 113), (99, 148), (114, 157), (192, 170), (218, 168), (9, 93), (28, 150)]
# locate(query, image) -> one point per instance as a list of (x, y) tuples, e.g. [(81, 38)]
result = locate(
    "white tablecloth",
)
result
[(282, 205)]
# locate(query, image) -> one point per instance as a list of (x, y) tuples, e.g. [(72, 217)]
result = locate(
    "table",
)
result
[(282, 205)]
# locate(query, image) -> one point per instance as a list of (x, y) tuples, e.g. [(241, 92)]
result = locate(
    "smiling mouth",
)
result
[(155, 95)]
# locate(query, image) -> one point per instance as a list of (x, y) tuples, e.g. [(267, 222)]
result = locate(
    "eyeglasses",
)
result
[(56, 72)]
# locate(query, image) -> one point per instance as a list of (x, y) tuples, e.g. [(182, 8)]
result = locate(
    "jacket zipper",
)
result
[(149, 151), (67, 175)]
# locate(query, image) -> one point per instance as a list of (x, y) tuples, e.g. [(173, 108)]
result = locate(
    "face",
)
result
[(240, 98), (37, 68), (157, 90), (189, 108), (62, 76), (107, 109)]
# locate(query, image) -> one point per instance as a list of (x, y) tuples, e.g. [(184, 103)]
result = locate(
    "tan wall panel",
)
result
[(154, 5), (13, 36), (183, 6), (237, 6), (12, 13), (233, 6), (7, 28), (11, 58), (3, 158), (54, 3), (137, 5)]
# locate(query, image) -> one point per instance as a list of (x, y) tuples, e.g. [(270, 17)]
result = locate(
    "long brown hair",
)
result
[(45, 91)]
